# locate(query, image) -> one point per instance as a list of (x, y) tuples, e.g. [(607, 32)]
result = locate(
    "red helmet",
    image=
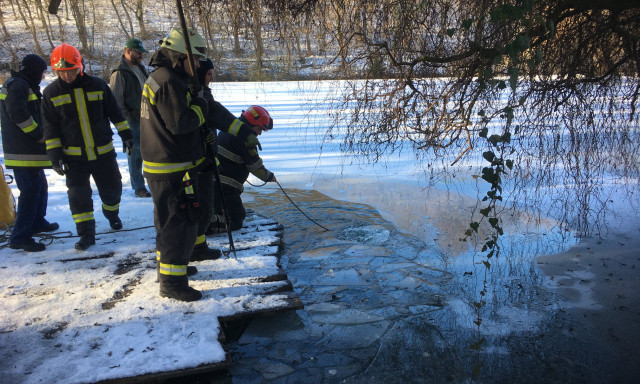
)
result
[(65, 57), (256, 115)]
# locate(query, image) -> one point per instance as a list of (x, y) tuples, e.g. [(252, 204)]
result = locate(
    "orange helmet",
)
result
[(65, 57), (256, 115)]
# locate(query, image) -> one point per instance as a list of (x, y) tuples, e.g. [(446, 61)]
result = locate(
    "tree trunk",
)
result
[(256, 13), (122, 26), (139, 12), (30, 24), (79, 17)]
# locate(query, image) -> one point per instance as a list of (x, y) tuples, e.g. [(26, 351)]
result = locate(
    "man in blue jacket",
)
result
[(24, 151)]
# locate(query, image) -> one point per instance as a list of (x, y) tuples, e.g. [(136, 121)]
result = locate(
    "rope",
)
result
[(47, 238), (294, 204)]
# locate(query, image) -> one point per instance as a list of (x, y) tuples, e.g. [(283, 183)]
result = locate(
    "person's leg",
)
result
[(174, 250), (135, 161), (201, 250), (81, 203), (235, 208), (21, 235), (41, 224), (108, 180)]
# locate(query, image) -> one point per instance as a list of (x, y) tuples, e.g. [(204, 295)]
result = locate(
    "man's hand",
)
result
[(60, 167), (252, 141), (127, 146), (272, 178)]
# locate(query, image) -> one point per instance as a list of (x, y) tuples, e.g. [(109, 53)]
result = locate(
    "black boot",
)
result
[(177, 287), (115, 223), (47, 227), (28, 245), (203, 252), (87, 232), (85, 242)]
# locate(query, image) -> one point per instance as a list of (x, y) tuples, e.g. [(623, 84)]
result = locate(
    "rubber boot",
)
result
[(203, 252), (191, 270), (87, 232), (177, 287)]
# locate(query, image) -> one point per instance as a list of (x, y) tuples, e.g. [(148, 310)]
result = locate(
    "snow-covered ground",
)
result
[(295, 150)]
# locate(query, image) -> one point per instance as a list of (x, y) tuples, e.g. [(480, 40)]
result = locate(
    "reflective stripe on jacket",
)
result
[(77, 119), (20, 122)]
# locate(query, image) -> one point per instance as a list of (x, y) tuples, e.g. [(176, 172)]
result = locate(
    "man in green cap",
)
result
[(126, 84)]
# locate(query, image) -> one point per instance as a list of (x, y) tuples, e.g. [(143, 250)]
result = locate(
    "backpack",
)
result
[(7, 202)]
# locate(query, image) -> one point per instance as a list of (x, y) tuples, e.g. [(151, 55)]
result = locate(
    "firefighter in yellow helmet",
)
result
[(76, 111), (172, 147)]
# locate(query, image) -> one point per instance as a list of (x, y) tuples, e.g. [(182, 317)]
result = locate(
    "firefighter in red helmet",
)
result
[(77, 110), (236, 161)]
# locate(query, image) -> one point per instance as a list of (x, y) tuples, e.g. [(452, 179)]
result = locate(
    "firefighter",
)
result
[(221, 119), (77, 109), (236, 161), (172, 149), (24, 151)]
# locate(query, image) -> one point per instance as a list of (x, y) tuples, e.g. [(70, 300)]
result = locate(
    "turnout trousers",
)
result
[(205, 196), (235, 209), (176, 230), (108, 180)]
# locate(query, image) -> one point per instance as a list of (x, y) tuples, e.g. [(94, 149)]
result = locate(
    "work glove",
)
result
[(272, 178), (208, 135), (60, 167), (127, 146), (252, 141), (194, 87)]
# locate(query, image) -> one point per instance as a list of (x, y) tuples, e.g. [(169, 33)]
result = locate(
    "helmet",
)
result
[(256, 115), (65, 57), (175, 42)]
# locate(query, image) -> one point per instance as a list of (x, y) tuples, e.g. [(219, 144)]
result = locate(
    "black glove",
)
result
[(60, 167), (252, 141), (194, 86), (272, 178), (127, 146), (208, 135)]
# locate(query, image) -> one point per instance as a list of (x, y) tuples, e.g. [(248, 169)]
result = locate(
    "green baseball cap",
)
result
[(135, 44)]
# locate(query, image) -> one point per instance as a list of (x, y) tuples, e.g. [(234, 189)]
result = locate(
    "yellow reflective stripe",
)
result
[(27, 163), (198, 111), (188, 98), (72, 151), (110, 207), (32, 96), (188, 189), (173, 269), (85, 126), (95, 95), (149, 94), (151, 167), (28, 125), (3, 96), (235, 127), (53, 143), (121, 126), (200, 239), (61, 100), (26, 160), (105, 148), (81, 217)]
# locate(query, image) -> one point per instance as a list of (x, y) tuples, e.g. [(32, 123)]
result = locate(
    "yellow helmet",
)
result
[(175, 42)]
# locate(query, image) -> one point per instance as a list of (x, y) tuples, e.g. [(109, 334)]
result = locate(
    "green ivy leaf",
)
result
[(489, 156), (467, 23), (451, 31)]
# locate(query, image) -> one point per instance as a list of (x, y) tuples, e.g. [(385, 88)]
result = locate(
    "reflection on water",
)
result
[(389, 303)]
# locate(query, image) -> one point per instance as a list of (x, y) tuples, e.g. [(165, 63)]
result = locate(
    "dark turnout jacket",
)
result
[(76, 119), (21, 124), (170, 121), (131, 89), (236, 161)]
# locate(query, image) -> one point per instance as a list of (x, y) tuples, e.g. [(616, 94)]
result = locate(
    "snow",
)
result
[(63, 318)]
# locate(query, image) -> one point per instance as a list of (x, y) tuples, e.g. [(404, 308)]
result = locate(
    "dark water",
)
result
[(382, 306)]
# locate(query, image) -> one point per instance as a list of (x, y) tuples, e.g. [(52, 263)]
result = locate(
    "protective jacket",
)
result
[(221, 119), (131, 89), (20, 120), (170, 122), (76, 119), (236, 161)]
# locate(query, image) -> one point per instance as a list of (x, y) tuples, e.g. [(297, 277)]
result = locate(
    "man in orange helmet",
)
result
[(77, 110), (236, 161)]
